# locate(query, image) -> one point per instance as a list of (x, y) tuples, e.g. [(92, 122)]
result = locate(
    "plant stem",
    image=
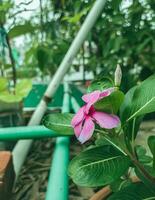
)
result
[(41, 20), (140, 167), (133, 137), (12, 60)]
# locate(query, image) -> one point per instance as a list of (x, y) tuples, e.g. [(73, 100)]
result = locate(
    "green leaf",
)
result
[(42, 55), (142, 155), (129, 129), (9, 97), (3, 84), (19, 30), (23, 87), (101, 84), (77, 17), (119, 184), (21, 90), (101, 141), (98, 166), (141, 100), (110, 103), (135, 191), (60, 123), (5, 6), (151, 143)]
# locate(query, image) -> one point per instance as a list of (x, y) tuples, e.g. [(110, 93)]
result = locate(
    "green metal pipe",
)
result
[(58, 180), (28, 132)]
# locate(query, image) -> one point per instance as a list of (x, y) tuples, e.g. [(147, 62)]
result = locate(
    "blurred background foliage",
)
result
[(124, 34)]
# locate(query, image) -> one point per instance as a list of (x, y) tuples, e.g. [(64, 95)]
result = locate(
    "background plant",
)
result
[(124, 34)]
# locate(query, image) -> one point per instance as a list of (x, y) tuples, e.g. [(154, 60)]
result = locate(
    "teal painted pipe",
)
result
[(74, 104), (58, 180), (28, 132)]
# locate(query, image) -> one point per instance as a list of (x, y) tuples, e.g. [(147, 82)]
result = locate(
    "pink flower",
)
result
[(83, 121)]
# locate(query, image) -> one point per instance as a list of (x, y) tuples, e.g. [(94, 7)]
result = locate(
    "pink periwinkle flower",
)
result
[(83, 121)]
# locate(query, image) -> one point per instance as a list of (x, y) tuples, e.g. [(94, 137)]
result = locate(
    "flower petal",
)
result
[(91, 96), (90, 99), (78, 117), (106, 93), (106, 120), (87, 130), (77, 129)]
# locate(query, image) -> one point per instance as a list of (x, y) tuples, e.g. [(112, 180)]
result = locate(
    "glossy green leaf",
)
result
[(60, 123), (119, 184), (135, 191), (151, 143), (129, 129), (110, 103), (140, 101), (101, 84), (98, 166)]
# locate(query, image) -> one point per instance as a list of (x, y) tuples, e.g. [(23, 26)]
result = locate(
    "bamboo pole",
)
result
[(20, 153), (58, 180), (68, 59)]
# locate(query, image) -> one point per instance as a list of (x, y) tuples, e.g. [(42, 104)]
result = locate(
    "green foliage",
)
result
[(119, 184), (114, 153), (111, 103), (98, 166), (23, 29), (23, 87), (4, 8), (21, 90), (142, 155), (138, 101), (148, 179), (60, 123), (3, 84), (151, 143), (142, 101), (42, 56), (101, 84), (76, 18), (135, 191)]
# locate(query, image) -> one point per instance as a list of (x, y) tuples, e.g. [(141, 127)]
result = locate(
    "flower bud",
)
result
[(118, 76)]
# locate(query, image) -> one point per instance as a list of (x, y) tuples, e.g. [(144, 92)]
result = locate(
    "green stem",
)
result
[(12, 60), (143, 170), (120, 147), (133, 138)]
